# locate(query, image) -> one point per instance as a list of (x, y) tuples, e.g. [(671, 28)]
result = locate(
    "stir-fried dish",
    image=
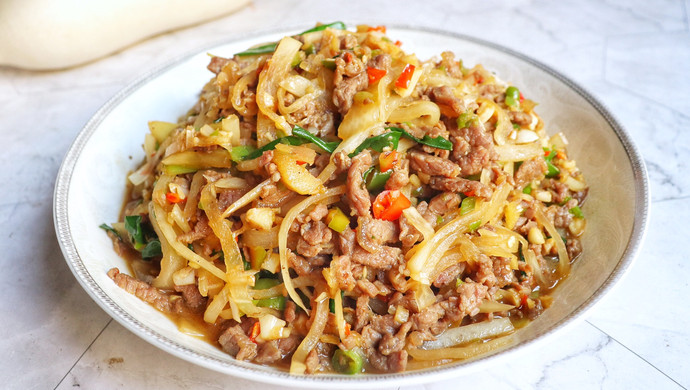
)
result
[(334, 204)]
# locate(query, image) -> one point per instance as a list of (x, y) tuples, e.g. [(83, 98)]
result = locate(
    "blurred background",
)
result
[(632, 55)]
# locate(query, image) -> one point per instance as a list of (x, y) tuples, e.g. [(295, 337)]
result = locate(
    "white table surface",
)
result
[(633, 55)]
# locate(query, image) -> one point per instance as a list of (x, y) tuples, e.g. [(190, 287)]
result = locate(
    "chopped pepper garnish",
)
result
[(258, 255), (552, 170), (465, 119), (405, 77), (238, 153), (277, 303), (173, 197), (577, 212), (379, 142), (377, 28), (467, 205), (328, 63), (549, 155), (388, 160), (174, 170), (311, 49), (347, 362), (337, 220), (375, 74), (375, 179), (254, 332), (265, 283), (389, 205), (512, 97)]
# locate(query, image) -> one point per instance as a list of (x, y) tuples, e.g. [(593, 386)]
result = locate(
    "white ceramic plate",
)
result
[(91, 182)]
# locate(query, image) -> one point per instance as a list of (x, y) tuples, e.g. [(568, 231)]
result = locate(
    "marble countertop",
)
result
[(632, 55)]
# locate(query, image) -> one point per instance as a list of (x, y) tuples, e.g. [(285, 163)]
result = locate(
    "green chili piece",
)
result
[(512, 97), (337, 220), (528, 189), (475, 225), (467, 205), (577, 212), (238, 153), (265, 283), (174, 170), (552, 170), (328, 63), (465, 119), (379, 142), (277, 303), (296, 60), (375, 179), (549, 154), (347, 362)]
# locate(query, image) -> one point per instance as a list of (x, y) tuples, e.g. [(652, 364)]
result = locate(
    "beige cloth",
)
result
[(50, 34)]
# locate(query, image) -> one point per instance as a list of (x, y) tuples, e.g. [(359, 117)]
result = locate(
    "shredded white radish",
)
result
[(330, 194), (339, 316), (464, 334), (246, 198), (170, 235), (430, 252), (459, 352), (297, 365), (563, 258), (421, 224)]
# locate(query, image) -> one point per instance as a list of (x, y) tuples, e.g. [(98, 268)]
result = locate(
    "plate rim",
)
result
[(254, 372)]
